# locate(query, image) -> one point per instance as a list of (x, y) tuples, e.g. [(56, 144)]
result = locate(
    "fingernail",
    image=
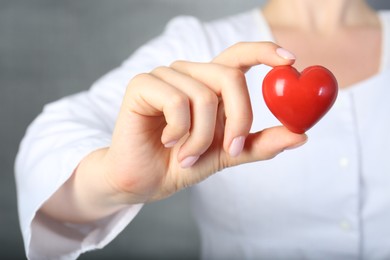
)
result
[(285, 54), (236, 146), (189, 161), (170, 144)]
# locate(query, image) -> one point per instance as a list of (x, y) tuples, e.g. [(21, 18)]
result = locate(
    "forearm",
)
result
[(86, 196)]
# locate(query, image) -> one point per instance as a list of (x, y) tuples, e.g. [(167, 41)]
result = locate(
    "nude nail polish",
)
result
[(188, 161), (170, 144), (237, 146), (285, 54)]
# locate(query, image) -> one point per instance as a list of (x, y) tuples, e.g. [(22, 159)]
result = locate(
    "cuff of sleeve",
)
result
[(54, 240), (47, 239)]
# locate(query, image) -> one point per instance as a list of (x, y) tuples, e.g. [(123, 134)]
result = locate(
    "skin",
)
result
[(336, 34), (170, 125)]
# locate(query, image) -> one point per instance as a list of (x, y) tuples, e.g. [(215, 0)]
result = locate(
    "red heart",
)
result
[(297, 100)]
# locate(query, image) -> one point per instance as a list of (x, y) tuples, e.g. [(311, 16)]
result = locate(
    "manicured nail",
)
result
[(170, 144), (236, 146), (189, 161), (285, 54)]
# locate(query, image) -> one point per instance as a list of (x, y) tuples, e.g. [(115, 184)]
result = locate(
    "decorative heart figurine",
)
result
[(298, 100)]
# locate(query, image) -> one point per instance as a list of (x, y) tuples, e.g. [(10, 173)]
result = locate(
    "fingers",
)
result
[(265, 145), (204, 104), (148, 96), (188, 95), (245, 55), (230, 84)]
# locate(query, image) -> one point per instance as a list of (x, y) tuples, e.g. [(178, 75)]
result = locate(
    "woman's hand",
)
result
[(180, 124), (177, 126)]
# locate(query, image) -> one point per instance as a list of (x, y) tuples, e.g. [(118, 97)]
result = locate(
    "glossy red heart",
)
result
[(299, 100)]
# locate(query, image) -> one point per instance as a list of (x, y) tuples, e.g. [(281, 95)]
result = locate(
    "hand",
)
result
[(180, 124), (177, 126)]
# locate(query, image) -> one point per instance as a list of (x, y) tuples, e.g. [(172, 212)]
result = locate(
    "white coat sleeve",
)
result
[(69, 129)]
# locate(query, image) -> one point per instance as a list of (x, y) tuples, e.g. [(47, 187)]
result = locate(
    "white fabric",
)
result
[(326, 200)]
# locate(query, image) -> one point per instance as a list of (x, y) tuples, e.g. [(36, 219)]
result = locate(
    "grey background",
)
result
[(49, 49)]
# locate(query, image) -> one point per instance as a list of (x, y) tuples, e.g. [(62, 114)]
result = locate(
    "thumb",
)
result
[(266, 145)]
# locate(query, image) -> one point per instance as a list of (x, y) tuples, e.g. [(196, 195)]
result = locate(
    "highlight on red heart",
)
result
[(299, 100)]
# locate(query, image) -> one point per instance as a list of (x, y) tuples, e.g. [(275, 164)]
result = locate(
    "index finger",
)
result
[(245, 55)]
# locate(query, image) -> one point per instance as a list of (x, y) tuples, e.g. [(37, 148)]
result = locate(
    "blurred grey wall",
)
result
[(53, 48)]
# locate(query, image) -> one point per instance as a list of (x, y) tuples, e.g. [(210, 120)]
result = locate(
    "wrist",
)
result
[(94, 195)]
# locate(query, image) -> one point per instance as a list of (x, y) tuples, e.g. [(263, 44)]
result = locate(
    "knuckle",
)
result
[(159, 70), (177, 64), (178, 101), (140, 78), (235, 75), (208, 98)]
